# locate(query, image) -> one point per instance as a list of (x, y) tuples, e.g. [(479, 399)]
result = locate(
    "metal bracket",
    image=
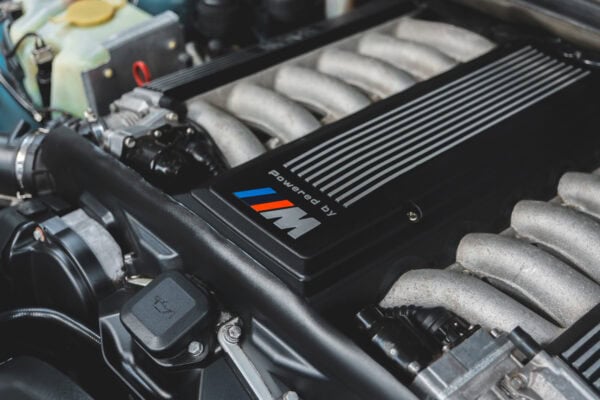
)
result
[(229, 336)]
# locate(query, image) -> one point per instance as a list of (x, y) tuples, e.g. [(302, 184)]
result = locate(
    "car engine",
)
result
[(300, 199)]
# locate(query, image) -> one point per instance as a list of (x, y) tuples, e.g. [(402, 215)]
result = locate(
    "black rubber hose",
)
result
[(53, 317), (8, 180)]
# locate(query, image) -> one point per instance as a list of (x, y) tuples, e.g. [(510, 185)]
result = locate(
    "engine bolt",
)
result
[(128, 258), (234, 333), (290, 396), (195, 348), (129, 142), (157, 133), (108, 73), (496, 333), (414, 367), (413, 216), (517, 382), (172, 117), (39, 234)]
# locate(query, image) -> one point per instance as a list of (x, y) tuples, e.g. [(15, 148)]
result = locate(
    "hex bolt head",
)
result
[(517, 381), (172, 117), (108, 73), (234, 333), (413, 216), (39, 234), (195, 348), (290, 396), (496, 333), (414, 367), (129, 142), (157, 133)]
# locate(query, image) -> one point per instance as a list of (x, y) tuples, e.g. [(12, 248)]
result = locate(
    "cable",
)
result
[(37, 116), (51, 316), (15, 48)]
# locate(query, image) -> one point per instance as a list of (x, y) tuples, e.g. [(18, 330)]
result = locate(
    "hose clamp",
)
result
[(21, 159)]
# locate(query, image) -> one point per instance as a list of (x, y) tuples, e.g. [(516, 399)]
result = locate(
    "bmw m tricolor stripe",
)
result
[(254, 193), (286, 216), (273, 205)]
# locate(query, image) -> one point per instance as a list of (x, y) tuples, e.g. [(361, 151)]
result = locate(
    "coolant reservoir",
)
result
[(75, 30)]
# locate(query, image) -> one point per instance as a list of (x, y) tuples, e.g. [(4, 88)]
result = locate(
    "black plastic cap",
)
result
[(167, 314)]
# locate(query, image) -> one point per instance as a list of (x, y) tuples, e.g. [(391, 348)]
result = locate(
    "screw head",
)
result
[(157, 133), (414, 367), (195, 348), (129, 142), (128, 258), (517, 381), (496, 333), (39, 234), (108, 73), (172, 117), (291, 396), (413, 216), (90, 115), (234, 333)]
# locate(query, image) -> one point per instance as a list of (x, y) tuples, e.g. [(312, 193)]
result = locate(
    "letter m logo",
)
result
[(294, 219)]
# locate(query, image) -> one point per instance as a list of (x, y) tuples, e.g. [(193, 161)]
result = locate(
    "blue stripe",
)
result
[(254, 193)]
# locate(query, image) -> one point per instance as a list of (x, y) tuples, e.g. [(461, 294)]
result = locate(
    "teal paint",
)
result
[(10, 111)]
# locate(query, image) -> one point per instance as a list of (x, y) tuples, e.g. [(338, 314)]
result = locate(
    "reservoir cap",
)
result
[(86, 13)]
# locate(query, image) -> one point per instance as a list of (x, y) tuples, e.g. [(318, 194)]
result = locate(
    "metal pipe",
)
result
[(237, 143), (326, 95), (271, 112), (570, 234), (470, 298), (529, 273), (423, 62), (581, 191), (458, 43), (373, 76)]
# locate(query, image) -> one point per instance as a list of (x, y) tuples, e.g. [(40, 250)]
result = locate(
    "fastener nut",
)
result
[(172, 117), (129, 142), (195, 348), (234, 333), (39, 234), (290, 396), (413, 216), (108, 73)]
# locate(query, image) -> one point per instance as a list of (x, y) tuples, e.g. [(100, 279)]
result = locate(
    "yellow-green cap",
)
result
[(87, 13)]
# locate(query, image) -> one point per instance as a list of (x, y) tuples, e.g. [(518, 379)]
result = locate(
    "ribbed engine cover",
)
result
[(325, 206)]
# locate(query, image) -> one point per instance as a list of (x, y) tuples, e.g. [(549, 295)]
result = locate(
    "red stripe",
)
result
[(272, 205)]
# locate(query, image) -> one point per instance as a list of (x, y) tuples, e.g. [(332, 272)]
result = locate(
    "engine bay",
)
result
[(281, 199)]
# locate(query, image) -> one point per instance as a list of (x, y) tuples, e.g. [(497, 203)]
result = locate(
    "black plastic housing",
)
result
[(494, 123), (167, 315)]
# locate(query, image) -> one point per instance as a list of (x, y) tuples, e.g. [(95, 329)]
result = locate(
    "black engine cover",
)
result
[(325, 206)]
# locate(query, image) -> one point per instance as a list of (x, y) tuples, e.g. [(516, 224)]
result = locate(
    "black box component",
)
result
[(167, 315), (325, 206)]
